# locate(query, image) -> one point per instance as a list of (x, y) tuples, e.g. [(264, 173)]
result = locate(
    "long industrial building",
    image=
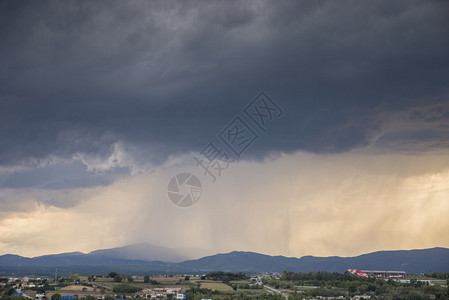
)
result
[(377, 274)]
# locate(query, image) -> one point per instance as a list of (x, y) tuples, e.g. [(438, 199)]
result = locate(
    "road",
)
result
[(276, 291)]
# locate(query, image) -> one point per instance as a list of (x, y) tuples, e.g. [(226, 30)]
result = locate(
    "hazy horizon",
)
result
[(195, 255)]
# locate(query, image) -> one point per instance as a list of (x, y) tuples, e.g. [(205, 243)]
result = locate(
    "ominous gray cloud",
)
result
[(77, 78)]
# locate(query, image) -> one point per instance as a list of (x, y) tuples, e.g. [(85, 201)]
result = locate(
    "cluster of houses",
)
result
[(160, 293), (147, 293), (24, 282)]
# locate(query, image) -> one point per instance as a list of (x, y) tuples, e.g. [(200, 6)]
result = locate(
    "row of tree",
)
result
[(226, 277), (437, 275)]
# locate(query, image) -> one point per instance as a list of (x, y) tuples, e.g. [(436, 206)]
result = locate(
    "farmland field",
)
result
[(213, 285)]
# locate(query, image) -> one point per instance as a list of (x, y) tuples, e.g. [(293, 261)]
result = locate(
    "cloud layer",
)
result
[(161, 78), (102, 103)]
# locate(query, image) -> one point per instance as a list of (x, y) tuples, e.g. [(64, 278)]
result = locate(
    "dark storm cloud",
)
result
[(419, 129), (161, 78)]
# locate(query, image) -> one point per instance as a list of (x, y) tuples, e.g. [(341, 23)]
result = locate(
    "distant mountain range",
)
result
[(144, 251), (410, 261), (143, 259)]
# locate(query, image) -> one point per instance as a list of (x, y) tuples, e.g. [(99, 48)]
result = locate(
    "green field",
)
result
[(215, 285)]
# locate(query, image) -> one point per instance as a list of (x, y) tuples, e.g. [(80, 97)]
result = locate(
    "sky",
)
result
[(314, 127)]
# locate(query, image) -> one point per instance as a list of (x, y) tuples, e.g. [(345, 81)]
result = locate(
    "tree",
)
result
[(56, 296), (146, 279), (352, 289), (118, 278), (112, 274), (10, 291)]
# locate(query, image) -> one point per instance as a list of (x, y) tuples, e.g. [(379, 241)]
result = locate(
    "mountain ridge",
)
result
[(142, 251), (411, 261)]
